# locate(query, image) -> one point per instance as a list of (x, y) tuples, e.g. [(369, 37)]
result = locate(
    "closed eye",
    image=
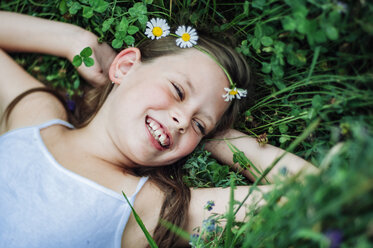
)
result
[(200, 127), (179, 92)]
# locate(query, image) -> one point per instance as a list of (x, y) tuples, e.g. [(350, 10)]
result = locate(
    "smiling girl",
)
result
[(61, 184)]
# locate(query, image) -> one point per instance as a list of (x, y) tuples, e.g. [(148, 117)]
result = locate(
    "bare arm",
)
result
[(150, 199), (261, 156), (23, 33)]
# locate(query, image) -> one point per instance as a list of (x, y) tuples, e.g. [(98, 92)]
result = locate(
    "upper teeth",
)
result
[(157, 132)]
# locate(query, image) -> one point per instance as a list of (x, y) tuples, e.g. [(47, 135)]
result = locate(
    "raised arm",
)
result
[(23, 33), (261, 156)]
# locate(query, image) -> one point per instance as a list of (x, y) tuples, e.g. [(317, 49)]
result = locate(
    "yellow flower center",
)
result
[(185, 37), (233, 92), (157, 31)]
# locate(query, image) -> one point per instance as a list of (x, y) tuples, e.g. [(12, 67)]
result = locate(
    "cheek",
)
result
[(189, 144), (159, 96)]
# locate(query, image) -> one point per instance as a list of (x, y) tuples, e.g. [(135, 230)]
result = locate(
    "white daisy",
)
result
[(188, 37), (234, 93), (157, 28)]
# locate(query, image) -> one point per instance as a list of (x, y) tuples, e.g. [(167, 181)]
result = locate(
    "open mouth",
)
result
[(158, 132)]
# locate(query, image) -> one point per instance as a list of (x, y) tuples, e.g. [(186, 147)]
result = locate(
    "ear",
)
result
[(123, 63)]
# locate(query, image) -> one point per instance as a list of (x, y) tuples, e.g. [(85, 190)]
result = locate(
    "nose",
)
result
[(180, 120)]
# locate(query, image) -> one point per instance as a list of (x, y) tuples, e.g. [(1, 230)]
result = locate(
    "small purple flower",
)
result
[(335, 237), (70, 105), (210, 225), (209, 205), (194, 239)]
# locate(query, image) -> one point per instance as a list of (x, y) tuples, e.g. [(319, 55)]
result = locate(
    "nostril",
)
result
[(176, 120)]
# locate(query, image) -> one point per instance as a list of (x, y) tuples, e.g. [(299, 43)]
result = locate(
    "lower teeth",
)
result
[(155, 137)]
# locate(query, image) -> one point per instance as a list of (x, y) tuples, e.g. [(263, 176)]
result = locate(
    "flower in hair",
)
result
[(234, 92), (187, 36), (157, 28)]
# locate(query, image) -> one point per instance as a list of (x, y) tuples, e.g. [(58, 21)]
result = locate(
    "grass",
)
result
[(313, 61)]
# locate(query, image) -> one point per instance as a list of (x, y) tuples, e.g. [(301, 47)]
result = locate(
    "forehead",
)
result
[(202, 77)]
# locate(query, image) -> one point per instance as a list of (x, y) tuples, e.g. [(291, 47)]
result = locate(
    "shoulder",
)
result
[(147, 205), (34, 109)]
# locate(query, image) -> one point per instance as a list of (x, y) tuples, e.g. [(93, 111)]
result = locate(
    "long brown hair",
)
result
[(168, 178)]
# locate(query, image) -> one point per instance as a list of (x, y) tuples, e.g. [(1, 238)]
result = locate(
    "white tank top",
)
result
[(43, 204)]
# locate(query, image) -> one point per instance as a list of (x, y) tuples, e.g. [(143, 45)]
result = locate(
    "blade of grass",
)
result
[(141, 224), (177, 230), (230, 217)]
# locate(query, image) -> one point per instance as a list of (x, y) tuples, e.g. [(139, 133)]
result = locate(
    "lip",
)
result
[(152, 139)]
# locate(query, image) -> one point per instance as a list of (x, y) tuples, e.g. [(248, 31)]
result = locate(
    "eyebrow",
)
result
[(209, 118), (190, 85)]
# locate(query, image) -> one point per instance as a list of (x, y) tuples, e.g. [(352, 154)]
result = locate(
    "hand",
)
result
[(102, 54)]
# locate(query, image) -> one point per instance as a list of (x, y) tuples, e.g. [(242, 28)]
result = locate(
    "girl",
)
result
[(61, 184)]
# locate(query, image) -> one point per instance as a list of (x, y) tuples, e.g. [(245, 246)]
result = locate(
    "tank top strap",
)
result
[(141, 183), (55, 122)]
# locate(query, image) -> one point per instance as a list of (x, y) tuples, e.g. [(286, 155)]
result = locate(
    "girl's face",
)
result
[(161, 110)]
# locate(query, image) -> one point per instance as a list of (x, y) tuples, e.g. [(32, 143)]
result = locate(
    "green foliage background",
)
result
[(312, 59)]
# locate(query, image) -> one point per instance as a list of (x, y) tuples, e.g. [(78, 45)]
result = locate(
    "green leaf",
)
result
[(279, 84), (76, 83), (137, 10), (88, 62), (255, 43), (319, 36), (279, 47), (283, 128), (116, 43), (258, 32), (246, 8), (99, 5), (268, 81), (267, 29), (289, 23), (86, 52), (284, 138), (62, 7), (120, 35), (143, 19), (129, 40), (77, 61), (317, 102), (266, 67), (266, 41), (123, 25), (244, 48), (302, 24), (151, 241), (270, 130), (334, 17), (331, 32), (74, 8), (277, 70), (107, 23), (87, 12), (132, 30)]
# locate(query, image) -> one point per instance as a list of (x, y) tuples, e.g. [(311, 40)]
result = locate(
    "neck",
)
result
[(95, 143)]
